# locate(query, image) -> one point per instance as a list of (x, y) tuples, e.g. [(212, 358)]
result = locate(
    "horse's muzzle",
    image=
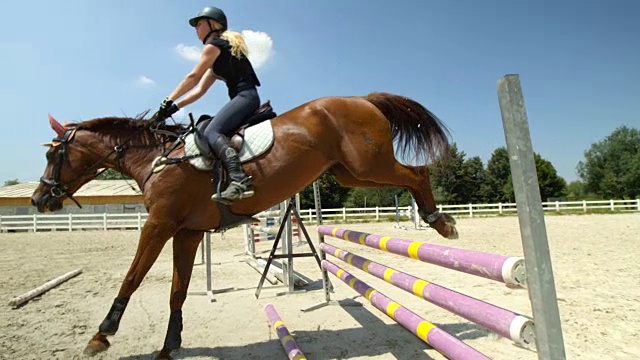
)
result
[(46, 202)]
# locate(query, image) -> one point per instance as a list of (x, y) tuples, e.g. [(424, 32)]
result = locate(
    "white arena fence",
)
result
[(134, 221), (72, 222)]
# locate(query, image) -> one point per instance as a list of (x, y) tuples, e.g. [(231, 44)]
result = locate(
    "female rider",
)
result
[(223, 57)]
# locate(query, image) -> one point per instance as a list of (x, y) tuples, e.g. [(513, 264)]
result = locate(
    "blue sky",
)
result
[(578, 62)]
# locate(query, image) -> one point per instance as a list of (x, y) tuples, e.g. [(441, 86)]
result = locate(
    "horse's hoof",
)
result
[(450, 224), (96, 346), (453, 235), (164, 355)]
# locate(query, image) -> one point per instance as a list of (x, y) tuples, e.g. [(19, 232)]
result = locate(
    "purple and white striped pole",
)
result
[(440, 340), (509, 270), (287, 341), (503, 322)]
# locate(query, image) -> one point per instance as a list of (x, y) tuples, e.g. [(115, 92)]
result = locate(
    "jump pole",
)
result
[(288, 342), (443, 342), (19, 300), (541, 285), (509, 270), (501, 321)]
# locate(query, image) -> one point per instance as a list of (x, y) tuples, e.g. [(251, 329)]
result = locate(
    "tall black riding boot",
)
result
[(240, 186)]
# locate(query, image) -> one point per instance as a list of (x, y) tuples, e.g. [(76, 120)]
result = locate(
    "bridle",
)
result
[(59, 190)]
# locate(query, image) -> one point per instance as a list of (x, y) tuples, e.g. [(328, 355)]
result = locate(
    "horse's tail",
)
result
[(412, 125)]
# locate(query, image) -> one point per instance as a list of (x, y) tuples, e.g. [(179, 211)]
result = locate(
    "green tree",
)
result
[(611, 168), (576, 190), (498, 176), (550, 184), (332, 195), (380, 196), (111, 174), (456, 180), (11, 182), (447, 176), (474, 187)]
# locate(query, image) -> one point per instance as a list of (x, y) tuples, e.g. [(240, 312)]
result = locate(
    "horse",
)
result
[(351, 137)]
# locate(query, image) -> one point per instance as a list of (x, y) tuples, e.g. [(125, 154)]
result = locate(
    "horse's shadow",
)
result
[(391, 339)]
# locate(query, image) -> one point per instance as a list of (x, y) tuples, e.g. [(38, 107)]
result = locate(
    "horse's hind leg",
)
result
[(155, 234), (185, 247), (392, 173)]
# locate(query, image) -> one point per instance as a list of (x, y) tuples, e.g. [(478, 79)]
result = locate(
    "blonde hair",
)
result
[(236, 40)]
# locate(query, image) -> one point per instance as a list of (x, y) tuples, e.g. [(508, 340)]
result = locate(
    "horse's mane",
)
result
[(120, 129)]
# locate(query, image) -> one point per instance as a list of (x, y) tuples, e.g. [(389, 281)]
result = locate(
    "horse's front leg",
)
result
[(185, 247), (154, 235)]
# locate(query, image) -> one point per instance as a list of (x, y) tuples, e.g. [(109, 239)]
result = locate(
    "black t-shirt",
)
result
[(237, 73)]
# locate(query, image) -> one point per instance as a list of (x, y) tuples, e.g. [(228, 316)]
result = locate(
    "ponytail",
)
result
[(238, 45), (236, 40)]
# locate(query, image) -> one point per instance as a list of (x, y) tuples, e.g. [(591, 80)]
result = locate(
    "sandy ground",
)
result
[(595, 261)]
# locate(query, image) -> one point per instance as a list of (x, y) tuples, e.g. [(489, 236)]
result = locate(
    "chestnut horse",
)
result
[(350, 137)]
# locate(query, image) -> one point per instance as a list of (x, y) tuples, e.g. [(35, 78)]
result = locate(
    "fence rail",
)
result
[(134, 221), (472, 210), (72, 222)]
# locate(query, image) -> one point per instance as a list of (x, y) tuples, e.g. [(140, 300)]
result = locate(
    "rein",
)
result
[(59, 190), (163, 159)]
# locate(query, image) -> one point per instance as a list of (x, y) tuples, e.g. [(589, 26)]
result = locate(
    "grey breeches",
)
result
[(233, 114)]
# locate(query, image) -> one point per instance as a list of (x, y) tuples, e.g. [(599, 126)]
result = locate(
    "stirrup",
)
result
[(235, 191)]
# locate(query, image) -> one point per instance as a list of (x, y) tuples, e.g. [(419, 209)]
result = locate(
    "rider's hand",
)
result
[(167, 108)]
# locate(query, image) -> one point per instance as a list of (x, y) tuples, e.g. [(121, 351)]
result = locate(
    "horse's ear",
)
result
[(56, 126)]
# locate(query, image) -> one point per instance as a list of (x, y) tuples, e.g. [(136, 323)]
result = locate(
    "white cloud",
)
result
[(191, 53), (260, 47), (145, 80), (259, 43)]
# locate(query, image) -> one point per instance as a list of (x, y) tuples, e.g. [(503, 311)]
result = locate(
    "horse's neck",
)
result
[(134, 160)]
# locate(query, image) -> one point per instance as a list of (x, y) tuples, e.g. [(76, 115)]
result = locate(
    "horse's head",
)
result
[(69, 166), (79, 150)]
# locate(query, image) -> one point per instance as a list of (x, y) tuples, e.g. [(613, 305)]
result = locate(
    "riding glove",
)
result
[(167, 108)]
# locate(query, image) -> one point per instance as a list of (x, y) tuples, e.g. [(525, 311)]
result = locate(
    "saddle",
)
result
[(264, 112), (252, 139)]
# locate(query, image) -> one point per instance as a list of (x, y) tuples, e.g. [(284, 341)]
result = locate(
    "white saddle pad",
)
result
[(257, 139)]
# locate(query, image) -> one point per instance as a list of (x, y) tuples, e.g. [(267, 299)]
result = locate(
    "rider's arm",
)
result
[(205, 83), (207, 58)]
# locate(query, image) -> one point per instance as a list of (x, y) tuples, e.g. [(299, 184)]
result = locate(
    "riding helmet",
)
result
[(212, 13)]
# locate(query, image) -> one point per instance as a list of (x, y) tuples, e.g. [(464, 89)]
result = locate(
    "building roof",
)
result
[(92, 188)]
